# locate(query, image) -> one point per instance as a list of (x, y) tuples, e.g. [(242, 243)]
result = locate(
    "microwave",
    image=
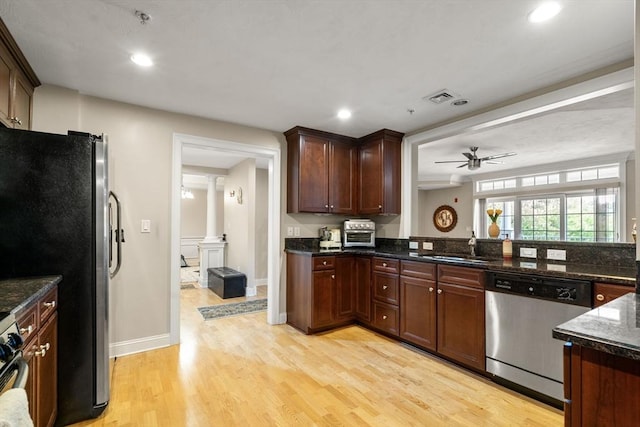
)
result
[(359, 233)]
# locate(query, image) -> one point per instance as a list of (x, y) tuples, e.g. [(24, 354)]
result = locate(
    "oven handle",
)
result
[(23, 372)]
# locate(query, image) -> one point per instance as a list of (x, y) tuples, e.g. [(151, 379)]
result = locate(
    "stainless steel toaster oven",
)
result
[(359, 233)]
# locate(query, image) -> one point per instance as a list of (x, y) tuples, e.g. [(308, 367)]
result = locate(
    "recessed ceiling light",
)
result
[(544, 12), (141, 59), (344, 114)]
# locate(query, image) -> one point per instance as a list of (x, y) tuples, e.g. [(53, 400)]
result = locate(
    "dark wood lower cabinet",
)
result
[(363, 289), (345, 288), (418, 311), (386, 317), (601, 389)]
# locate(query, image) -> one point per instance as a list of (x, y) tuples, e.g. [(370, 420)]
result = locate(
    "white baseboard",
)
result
[(251, 291), (139, 345), (283, 318)]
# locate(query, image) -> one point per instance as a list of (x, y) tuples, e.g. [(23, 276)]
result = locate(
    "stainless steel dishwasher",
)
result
[(521, 311)]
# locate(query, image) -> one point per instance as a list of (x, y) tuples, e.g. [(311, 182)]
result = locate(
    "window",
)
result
[(585, 216)]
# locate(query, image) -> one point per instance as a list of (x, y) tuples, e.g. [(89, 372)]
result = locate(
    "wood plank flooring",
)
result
[(240, 371)]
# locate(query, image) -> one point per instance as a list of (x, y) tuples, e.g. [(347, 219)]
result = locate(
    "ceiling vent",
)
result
[(440, 96)]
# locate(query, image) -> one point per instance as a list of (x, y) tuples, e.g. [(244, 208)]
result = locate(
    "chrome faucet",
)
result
[(472, 243)]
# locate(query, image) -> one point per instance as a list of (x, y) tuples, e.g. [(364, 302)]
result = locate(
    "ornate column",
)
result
[(212, 206)]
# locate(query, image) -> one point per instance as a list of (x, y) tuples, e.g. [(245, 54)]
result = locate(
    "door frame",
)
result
[(274, 315)]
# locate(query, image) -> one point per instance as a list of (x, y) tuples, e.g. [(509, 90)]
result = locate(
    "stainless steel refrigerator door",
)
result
[(102, 271)]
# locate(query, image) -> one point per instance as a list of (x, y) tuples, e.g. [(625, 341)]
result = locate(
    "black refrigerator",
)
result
[(55, 216)]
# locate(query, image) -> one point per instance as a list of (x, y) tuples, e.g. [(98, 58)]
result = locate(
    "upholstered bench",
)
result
[(226, 282)]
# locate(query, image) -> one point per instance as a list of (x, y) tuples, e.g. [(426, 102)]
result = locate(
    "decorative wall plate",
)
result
[(445, 218)]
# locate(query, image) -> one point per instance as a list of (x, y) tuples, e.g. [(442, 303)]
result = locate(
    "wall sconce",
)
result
[(237, 194), (186, 193)]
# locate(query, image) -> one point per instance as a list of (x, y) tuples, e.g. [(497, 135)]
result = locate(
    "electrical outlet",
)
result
[(528, 253), (427, 246), (557, 267), (557, 254), (296, 231), (290, 231), (413, 245)]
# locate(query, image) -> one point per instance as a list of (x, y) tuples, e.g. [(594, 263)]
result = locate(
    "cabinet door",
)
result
[(461, 324), (21, 103), (47, 382), (323, 298), (5, 84), (342, 178), (313, 190), (363, 288), (345, 288), (605, 292), (386, 317), (28, 353), (371, 176), (385, 287), (418, 311)]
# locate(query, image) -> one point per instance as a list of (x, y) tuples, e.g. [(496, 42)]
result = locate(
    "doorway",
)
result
[(272, 155)]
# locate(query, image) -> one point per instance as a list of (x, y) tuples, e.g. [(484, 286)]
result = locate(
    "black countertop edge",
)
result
[(613, 328), (595, 273), (17, 294)]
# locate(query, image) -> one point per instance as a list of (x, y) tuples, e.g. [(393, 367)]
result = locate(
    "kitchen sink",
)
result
[(454, 258)]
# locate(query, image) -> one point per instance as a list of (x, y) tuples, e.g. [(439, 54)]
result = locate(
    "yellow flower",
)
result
[(494, 214)]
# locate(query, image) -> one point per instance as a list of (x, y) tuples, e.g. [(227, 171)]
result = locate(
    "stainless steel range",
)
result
[(521, 312), (13, 368), (359, 232)]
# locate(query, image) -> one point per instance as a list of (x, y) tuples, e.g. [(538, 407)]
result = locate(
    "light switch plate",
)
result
[(427, 246), (145, 226), (528, 253), (557, 254)]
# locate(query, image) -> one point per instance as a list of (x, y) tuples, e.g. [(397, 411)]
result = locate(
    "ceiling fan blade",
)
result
[(452, 161), (493, 162), (498, 156), (468, 155), (463, 166)]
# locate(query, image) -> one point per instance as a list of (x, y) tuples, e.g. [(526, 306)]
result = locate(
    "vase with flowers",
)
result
[(494, 230)]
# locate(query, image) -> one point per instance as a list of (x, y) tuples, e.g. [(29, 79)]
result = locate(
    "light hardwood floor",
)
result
[(239, 371)]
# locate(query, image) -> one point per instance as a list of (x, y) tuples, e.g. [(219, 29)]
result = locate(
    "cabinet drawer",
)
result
[(386, 265), (28, 322), (386, 317), (464, 276), (324, 263), (48, 305), (605, 292), (385, 287), (422, 270)]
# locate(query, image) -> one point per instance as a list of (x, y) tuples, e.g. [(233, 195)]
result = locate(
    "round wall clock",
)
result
[(445, 218)]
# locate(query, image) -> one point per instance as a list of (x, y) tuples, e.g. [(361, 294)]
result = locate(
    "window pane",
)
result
[(527, 181), (541, 180), (486, 186), (588, 223), (588, 205), (510, 183), (553, 206), (553, 223), (574, 176), (590, 174), (573, 205), (526, 207), (554, 179), (610, 172), (498, 185), (539, 206)]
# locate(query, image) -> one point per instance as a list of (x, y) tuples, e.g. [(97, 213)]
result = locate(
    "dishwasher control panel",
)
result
[(569, 291)]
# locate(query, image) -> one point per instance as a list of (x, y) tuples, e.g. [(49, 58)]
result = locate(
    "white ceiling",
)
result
[(275, 64)]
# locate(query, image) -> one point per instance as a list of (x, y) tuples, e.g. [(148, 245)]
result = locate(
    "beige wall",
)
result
[(194, 215), (238, 218), (261, 223), (140, 144), (428, 201)]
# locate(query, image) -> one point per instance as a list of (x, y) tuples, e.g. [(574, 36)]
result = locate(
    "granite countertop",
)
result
[(16, 294), (611, 328), (596, 273)]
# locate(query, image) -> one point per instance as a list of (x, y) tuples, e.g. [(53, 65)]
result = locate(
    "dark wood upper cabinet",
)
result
[(17, 81), (379, 173), (321, 172), (330, 173)]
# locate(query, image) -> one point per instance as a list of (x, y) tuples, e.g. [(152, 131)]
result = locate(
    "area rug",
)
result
[(233, 309)]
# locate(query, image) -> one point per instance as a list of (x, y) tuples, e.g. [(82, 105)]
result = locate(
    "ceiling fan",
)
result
[(474, 162)]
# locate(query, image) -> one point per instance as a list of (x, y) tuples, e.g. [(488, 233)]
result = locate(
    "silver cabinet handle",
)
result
[(51, 304), (16, 121), (384, 317), (430, 289), (439, 291), (384, 264), (600, 297), (26, 330), (333, 276), (324, 262), (331, 206), (384, 287)]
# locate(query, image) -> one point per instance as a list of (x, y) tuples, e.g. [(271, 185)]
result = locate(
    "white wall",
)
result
[(140, 143)]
